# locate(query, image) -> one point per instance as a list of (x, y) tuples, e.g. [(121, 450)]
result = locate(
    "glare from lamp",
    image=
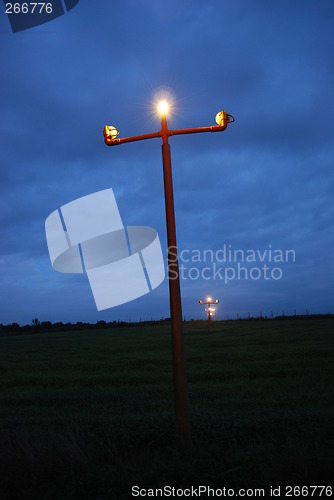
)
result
[(163, 107)]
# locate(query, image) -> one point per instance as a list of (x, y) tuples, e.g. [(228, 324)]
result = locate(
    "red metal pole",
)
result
[(179, 371)]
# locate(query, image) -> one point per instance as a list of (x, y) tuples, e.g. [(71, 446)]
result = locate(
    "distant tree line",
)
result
[(284, 317), (37, 327)]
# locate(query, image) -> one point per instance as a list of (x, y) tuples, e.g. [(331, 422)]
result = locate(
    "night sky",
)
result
[(264, 185)]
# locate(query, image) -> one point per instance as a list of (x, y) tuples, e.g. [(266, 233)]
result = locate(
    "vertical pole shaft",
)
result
[(179, 371)]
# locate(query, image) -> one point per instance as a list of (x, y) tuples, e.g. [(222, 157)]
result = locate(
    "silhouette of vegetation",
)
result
[(36, 324)]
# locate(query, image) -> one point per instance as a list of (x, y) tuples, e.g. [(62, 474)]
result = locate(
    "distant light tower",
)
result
[(210, 310)]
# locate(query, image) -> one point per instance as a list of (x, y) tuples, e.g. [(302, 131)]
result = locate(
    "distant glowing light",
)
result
[(163, 107), (209, 299)]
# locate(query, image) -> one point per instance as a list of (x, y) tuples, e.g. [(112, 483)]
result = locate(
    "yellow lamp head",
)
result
[(223, 118), (110, 132)]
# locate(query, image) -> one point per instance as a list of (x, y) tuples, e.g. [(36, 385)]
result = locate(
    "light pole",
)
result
[(210, 310), (179, 373)]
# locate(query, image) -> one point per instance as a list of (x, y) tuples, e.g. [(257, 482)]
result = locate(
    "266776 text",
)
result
[(29, 8)]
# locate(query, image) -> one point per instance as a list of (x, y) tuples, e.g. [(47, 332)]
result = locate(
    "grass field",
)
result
[(89, 414)]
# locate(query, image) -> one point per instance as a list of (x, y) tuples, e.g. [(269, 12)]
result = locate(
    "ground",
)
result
[(89, 414)]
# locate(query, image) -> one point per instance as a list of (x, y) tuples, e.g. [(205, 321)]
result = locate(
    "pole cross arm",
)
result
[(110, 133), (196, 130), (110, 141)]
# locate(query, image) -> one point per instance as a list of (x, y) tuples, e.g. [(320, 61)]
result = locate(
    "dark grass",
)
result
[(89, 414)]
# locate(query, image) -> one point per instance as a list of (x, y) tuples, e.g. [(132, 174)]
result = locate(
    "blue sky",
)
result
[(267, 182)]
